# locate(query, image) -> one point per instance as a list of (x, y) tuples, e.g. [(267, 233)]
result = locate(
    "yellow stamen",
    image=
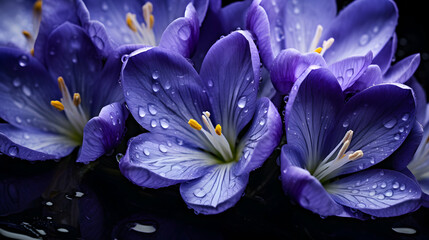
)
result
[(61, 84), (32, 52), (151, 21), (194, 124), (318, 50), (130, 22), (58, 105), (27, 34), (37, 7), (76, 99), (356, 155), (218, 130)]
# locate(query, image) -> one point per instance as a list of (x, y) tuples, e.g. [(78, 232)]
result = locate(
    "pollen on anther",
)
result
[(218, 130), (130, 22), (58, 105), (194, 124), (27, 34), (76, 99), (32, 52), (61, 84), (37, 7), (318, 50)]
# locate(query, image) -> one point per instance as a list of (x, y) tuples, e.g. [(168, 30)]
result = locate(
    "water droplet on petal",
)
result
[(364, 39), (23, 61), (155, 87), (153, 123), (279, 34), (16, 82), (164, 123), (296, 10), (155, 75), (242, 102), (402, 188), (383, 185), (146, 152), (162, 148), (152, 109), (13, 151), (26, 90), (346, 123), (372, 193), (104, 6), (380, 196), (388, 193), (210, 83), (200, 192), (119, 156), (167, 85), (397, 136), (375, 29), (63, 230), (391, 123), (355, 191), (405, 117), (360, 205), (262, 122), (395, 185), (142, 112), (340, 79), (18, 119), (184, 32), (350, 72)]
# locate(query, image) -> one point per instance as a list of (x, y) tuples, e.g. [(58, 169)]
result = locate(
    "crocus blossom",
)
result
[(170, 24), (329, 164), (207, 130), (68, 96)]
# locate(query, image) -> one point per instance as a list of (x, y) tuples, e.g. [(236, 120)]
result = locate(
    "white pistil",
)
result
[(330, 164), (419, 166), (71, 107), (325, 45), (214, 135), (143, 33)]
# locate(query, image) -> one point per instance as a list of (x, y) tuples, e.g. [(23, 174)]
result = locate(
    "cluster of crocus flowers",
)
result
[(354, 142)]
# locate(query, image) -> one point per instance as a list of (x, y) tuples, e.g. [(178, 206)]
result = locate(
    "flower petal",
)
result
[(302, 187), (372, 76), (230, 73), (163, 91), (261, 139), (101, 134), (348, 70), (293, 23), (403, 70), (420, 95), (381, 193), (386, 54), (72, 56), (15, 18), (380, 118), (310, 113), (361, 27), (33, 145), (54, 13), (290, 65), (156, 160), (215, 192), (182, 34), (26, 90)]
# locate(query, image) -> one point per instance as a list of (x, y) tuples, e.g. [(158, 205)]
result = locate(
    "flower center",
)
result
[(143, 33), (419, 166), (72, 109), (37, 17), (325, 45), (214, 135), (337, 158)]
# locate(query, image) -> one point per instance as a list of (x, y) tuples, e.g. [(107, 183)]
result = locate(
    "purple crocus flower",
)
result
[(68, 96), (308, 34), (170, 24), (207, 130), (327, 164)]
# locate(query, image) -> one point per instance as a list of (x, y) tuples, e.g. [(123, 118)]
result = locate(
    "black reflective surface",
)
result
[(66, 200)]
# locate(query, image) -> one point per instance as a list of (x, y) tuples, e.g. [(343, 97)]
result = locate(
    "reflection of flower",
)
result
[(170, 24), (332, 143), (72, 99), (208, 131)]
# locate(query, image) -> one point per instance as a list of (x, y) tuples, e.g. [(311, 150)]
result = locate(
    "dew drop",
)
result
[(142, 112), (381, 196), (155, 87), (375, 29), (179, 141), (388, 193), (104, 6), (360, 205), (155, 75), (364, 39), (200, 192), (402, 188), (164, 123), (26, 136), (242, 102), (279, 34), (18, 119), (395, 185), (296, 10), (383, 185), (152, 109), (374, 186), (391, 123), (16, 82), (210, 83), (405, 117), (350, 72), (401, 129), (372, 161), (346, 123), (340, 79), (167, 85), (63, 230), (262, 122), (397, 136), (372, 193), (355, 191), (146, 152), (23, 61), (119, 156), (162, 148), (13, 151), (153, 123)]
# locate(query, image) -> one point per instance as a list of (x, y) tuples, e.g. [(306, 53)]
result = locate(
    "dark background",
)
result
[(111, 206)]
